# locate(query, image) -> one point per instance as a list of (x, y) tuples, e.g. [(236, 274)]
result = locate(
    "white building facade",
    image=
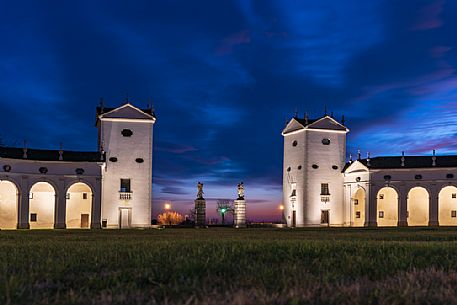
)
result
[(321, 189), (110, 188)]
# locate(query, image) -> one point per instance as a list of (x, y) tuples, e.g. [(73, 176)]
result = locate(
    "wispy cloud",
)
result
[(428, 17)]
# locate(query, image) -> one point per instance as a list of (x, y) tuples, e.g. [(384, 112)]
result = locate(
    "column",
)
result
[(60, 205), (347, 206), (96, 207), (403, 207), (23, 204), (371, 213), (433, 207)]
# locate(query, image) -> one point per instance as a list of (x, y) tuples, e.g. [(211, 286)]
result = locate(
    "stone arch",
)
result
[(78, 205), (9, 204), (418, 205), (447, 206), (358, 207), (387, 207), (42, 202)]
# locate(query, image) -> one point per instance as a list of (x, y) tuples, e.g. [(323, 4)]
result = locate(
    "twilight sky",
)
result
[(224, 75)]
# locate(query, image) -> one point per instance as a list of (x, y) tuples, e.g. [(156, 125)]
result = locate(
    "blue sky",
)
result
[(225, 75)]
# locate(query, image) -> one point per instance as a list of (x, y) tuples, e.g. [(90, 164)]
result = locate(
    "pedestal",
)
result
[(200, 211), (239, 213)]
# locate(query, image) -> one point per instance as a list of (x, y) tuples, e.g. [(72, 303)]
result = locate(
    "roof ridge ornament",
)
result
[(358, 154), (102, 105), (342, 120), (24, 149), (434, 158), (61, 152), (306, 118), (350, 158), (368, 159), (403, 158)]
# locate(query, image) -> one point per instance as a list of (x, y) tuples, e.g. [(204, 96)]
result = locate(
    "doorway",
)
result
[(125, 218), (294, 219), (84, 220), (325, 217)]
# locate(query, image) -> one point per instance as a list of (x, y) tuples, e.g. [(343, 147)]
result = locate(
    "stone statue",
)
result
[(240, 190), (200, 190)]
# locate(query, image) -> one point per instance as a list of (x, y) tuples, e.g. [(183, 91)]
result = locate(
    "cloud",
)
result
[(229, 43), (224, 76), (428, 17)]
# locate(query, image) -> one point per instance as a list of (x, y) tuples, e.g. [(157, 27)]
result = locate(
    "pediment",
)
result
[(292, 126), (327, 123), (356, 167), (127, 111)]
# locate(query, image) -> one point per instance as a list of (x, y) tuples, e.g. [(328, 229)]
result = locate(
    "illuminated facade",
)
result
[(110, 188), (321, 189)]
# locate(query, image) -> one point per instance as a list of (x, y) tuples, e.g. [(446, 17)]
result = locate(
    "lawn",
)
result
[(228, 266)]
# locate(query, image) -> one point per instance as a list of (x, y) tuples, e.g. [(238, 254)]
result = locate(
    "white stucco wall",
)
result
[(307, 180), (127, 150)]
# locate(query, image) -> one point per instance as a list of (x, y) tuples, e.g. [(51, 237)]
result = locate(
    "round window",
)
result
[(139, 160), (127, 132), (294, 143), (299, 167), (79, 171), (288, 169), (113, 159), (326, 141), (315, 166), (335, 167)]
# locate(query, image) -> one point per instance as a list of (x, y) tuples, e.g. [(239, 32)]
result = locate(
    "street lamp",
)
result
[(167, 206), (281, 207)]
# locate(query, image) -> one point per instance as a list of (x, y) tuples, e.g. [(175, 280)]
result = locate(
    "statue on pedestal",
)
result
[(199, 190), (241, 191)]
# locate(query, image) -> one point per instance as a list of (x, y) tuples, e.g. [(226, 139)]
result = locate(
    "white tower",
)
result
[(314, 156), (125, 134)]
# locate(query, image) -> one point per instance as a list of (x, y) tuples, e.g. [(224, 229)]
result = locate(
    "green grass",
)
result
[(228, 266)]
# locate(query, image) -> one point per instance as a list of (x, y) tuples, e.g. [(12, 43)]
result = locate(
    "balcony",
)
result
[(325, 198), (125, 195)]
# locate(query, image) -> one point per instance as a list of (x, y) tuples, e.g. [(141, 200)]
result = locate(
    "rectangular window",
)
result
[(324, 189), (84, 195), (356, 201), (125, 186), (381, 196), (33, 217), (381, 214), (357, 214), (453, 213), (454, 195)]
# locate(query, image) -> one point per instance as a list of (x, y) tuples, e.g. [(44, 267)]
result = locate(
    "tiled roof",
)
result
[(50, 155), (305, 122), (410, 162), (105, 110)]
